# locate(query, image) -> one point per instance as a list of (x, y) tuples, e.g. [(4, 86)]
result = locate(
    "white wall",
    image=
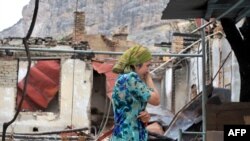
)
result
[(74, 105), (230, 71)]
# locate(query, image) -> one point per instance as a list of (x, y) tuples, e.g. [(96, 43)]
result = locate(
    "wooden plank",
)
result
[(215, 136), (227, 113)]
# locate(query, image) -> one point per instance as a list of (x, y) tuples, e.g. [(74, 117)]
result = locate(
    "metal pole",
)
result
[(92, 52), (39, 58), (52, 138), (180, 135), (190, 132), (204, 95)]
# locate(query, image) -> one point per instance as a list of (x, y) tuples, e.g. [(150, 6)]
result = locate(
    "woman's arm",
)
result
[(155, 97)]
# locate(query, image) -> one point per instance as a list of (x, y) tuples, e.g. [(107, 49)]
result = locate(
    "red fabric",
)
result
[(42, 86), (106, 68)]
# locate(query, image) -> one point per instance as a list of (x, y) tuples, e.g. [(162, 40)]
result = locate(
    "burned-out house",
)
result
[(67, 85)]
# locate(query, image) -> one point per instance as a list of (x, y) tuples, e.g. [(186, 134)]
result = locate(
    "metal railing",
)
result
[(204, 95)]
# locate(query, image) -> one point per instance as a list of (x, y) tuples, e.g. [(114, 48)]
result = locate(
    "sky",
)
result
[(11, 12)]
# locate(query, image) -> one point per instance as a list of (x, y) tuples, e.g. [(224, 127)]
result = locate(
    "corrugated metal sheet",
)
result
[(181, 9), (191, 113), (42, 86)]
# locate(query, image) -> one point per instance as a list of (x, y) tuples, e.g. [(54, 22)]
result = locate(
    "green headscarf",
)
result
[(133, 56)]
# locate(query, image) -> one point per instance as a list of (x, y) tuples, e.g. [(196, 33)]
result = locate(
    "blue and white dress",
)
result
[(130, 96)]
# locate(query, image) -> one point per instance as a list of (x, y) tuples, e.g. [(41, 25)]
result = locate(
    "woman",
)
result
[(133, 89)]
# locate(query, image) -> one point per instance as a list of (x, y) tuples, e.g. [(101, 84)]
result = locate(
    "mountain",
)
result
[(56, 19)]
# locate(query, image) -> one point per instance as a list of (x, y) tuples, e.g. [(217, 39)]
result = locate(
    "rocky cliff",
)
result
[(56, 19)]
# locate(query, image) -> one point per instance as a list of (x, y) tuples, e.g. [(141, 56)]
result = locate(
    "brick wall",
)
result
[(8, 73), (177, 44), (79, 29)]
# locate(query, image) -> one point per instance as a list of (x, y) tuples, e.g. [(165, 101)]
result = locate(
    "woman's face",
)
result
[(143, 70)]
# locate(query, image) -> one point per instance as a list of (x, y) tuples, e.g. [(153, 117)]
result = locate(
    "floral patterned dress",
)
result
[(130, 96)]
